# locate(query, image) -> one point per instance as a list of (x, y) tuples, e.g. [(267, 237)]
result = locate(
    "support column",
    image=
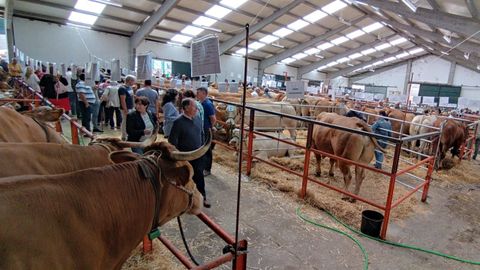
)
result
[(9, 28), (451, 74), (407, 76), (261, 72), (133, 56)]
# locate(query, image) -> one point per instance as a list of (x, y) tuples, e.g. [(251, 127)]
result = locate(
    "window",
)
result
[(162, 67)]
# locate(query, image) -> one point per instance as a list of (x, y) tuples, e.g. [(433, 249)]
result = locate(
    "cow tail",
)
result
[(365, 127)]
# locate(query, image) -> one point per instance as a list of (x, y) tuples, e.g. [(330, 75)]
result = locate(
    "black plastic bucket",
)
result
[(371, 223)]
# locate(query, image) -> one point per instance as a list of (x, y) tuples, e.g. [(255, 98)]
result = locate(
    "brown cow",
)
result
[(344, 144), (16, 127), (454, 134), (397, 124), (94, 218)]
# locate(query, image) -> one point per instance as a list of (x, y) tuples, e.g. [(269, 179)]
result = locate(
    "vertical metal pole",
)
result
[(306, 162), (74, 131), (250, 142), (239, 186), (391, 189)]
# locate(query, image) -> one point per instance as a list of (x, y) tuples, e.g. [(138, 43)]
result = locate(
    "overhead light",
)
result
[(82, 18), (211, 28), (204, 21), (236, 54), (298, 24), (233, 3), (334, 7), (89, 6), (355, 56), (312, 51), (299, 56), (343, 60), (191, 30), (398, 41), (79, 25), (107, 2), (350, 64), (242, 51), (466, 55), (325, 46), (390, 59), (368, 51), (402, 55), (372, 70), (445, 53), (331, 64), (319, 56), (339, 40), (268, 39), (321, 68), (383, 46), (410, 5), (282, 32), (256, 45), (355, 34), (175, 44), (372, 27), (378, 63), (416, 50), (181, 38), (288, 60), (314, 16), (276, 44), (447, 38), (217, 11)]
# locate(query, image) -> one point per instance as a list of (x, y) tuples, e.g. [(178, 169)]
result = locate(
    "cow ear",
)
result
[(123, 156), (180, 174)]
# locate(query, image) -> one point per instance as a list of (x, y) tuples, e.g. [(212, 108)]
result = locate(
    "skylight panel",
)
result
[(339, 40), (383, 46), (192, 30), (390, 59), (282, 32), (398, 41), (355, 34), (268, 39), (315, 16), (90, 6), (343, 60), (378, 63), (181, 38), (355, 56), (415, 51), (233, 3), (312, 51), (334, 7), (402, 55), (298, 24), (82, 18), (256, 45), (331, 64), (288, 60), (217, 11), (372, 27), (242, 51), (299, 56), (204, 21), (368, 51), (325, 46), (322, 68)]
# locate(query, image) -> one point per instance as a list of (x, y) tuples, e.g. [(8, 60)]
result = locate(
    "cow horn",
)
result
[(150, 140), (192, 155)]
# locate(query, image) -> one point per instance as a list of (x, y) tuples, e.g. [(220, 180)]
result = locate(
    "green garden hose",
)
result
[(433, 252)]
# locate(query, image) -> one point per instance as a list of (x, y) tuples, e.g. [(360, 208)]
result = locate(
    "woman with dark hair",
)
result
[(140, 123), (170, 111)]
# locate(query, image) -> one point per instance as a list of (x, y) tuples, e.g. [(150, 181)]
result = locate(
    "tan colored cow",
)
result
[(402, 120), (344, 144)]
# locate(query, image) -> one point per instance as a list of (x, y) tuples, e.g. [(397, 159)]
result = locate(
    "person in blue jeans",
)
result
[(382, 127)]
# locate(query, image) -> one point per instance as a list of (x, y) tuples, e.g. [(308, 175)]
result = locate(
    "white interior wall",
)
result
[(314, 75), (393, 78), (280, 69), (431, 69)]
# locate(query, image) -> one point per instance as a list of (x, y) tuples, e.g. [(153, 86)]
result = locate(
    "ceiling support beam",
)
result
[(313, 66), (408, 75), (367, 74), (303, 46), (454, 23), (453, 57), (472, 8), (228, 44), (439, 48)]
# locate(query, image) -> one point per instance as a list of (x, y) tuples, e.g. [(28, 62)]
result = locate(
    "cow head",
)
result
[(45, 113)]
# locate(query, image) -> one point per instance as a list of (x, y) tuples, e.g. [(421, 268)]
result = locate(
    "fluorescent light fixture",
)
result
[(368, 66), (416, 50), (390, 59), (372, 27), (355, 56), (398, 41), (79, 25), (217, 11), (268, 39), (325, 46), (322, 68), (282, 32), (312, 51), (355, 34), (314, 16), (339, 40), (192, 30), (378, 63), (383, 46), (299, 56), (298, 24), (446, 53), (89, 6), (447, 38), (233, 3), (368, 51), (107, 2), (181, 38), (82, 18), (319, 56), (288, 60), (350, 64), (242, 51), (204, 21), (478, 67), (402, 55), (331, 64), (277, 45), (256, 45), (334, 7), (466, 55), (410, 5), (343, 60), (211, 29)]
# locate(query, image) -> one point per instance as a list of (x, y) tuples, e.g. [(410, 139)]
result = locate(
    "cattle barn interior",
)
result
[(343, 134)]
